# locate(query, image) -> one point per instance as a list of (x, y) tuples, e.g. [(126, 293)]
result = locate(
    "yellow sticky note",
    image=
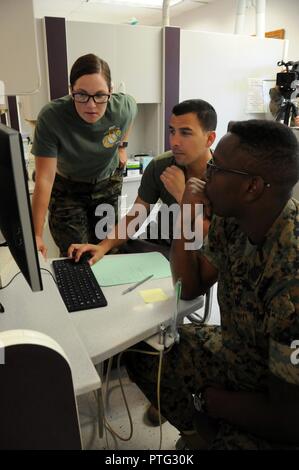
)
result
[(153, 295)]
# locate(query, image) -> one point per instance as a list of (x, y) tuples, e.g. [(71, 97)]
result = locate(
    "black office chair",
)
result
[(37, 402)]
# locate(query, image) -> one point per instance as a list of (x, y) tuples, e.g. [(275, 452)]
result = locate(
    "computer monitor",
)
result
[(15, 210)]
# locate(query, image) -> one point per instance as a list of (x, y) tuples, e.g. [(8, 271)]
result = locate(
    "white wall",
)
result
[(220, 75), (146, 134), (214, 17), (219, 17)]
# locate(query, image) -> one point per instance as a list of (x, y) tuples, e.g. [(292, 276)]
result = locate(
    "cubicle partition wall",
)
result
[(171, 82), (159, 67)]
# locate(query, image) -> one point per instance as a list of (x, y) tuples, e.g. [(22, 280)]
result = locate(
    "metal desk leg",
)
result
[(100, 409)]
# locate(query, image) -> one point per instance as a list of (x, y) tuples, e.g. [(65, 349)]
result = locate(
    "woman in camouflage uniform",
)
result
[(79, 145)]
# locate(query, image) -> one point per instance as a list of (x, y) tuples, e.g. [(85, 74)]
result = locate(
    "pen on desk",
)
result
[(137, 284)]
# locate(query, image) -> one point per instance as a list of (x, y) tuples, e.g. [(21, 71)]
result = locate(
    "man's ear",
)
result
[(211, 138), (255, 188)]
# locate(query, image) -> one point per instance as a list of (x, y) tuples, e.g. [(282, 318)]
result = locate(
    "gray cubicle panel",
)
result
[(18, 52)]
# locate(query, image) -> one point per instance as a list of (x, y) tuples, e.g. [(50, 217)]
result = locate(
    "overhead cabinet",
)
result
[(133, 53)]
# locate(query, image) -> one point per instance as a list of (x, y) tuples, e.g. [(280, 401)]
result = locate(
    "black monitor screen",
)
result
[(15, 211)]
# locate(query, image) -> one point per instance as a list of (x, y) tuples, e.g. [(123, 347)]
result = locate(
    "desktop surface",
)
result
[(90, 336), (45, 312), (127, 319)]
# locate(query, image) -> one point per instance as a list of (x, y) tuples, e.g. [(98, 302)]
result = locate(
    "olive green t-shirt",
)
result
[(85, 152), (151, 188)]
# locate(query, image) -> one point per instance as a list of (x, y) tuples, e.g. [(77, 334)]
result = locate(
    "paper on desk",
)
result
[(153, 295), (113, 270)]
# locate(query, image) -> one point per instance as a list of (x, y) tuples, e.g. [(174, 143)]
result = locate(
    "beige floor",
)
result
[(144, 437)]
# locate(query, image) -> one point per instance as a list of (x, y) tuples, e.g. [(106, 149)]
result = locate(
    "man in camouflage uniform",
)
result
[(246, 372)]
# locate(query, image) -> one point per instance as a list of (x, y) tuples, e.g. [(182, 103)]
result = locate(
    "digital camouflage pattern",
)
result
[(258, 295), (186, 369), (72, 208)]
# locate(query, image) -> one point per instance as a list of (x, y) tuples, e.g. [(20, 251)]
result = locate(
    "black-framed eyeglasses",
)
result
[(213, 168), (98, 98)]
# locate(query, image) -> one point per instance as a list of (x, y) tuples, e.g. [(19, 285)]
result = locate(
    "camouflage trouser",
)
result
[(72, 208), (186, 369)]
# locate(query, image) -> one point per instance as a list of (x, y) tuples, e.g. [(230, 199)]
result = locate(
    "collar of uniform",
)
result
[(284, 224)]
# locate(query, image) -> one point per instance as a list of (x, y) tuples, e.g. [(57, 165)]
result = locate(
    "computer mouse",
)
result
[(83, 258)]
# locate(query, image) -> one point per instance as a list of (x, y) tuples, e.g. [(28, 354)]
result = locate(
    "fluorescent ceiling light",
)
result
[(136, 3)]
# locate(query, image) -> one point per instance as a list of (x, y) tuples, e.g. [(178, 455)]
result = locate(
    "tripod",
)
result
[(287, 112)]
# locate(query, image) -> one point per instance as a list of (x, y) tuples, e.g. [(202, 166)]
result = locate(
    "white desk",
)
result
[(45, 312), (127, 319), (90, 336)]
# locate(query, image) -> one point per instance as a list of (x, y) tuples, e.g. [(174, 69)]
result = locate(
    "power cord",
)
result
[(19, 272), (158, 395), (2, 310), (107, 424), (9, 282), (49, 272), (109, 427)]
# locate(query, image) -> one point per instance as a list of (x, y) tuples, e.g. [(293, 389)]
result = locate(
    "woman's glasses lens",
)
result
[(84, 98)]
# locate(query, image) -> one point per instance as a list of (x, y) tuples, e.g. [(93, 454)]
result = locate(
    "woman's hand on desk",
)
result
[(76, 250)]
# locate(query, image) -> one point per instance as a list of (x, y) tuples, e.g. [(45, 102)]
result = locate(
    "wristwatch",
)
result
[(123, 145), (199, 402)]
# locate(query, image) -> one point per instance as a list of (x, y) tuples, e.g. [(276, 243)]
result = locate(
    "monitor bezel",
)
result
[(20, 186)]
